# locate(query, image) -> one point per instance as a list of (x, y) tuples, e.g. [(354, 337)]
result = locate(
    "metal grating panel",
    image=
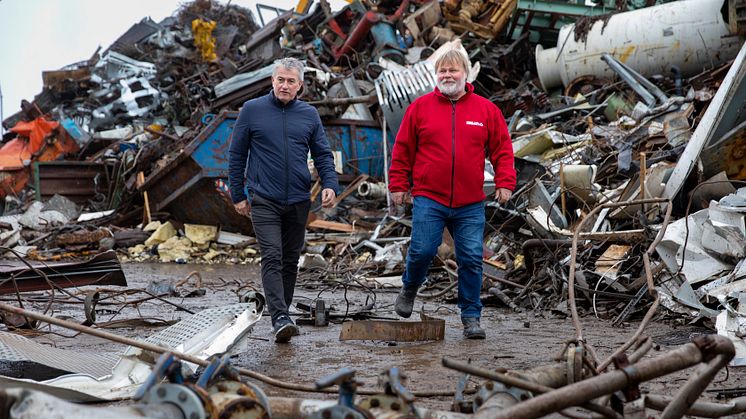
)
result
[(397, 89), (201, 322)]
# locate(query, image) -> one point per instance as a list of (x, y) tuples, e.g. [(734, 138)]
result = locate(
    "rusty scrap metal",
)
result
[(646, 261), (535, 381), (397, 331), (715, 350), (700, 409), (6, 308), (102, 269)]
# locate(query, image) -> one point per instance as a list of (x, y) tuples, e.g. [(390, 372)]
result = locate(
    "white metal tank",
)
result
[(690, 34)]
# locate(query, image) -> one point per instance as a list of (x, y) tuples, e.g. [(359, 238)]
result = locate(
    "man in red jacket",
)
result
[(441, 146)]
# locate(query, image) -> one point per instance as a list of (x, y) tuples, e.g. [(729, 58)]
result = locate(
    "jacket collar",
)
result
[(469, 90), (276, 102)]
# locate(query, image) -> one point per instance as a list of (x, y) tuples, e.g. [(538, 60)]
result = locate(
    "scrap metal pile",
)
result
[(137, 132), (628, 137)]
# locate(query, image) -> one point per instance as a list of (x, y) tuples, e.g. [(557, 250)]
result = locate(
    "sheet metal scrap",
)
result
[(428, 328), (208, 333), (23, 358), (102, 269)]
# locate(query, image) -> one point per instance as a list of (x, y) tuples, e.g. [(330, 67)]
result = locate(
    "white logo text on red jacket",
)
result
[(475, 123)]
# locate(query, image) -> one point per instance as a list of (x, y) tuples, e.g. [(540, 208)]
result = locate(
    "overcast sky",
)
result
[(39, 35)]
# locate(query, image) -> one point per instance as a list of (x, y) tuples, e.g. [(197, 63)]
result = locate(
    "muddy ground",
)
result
[(514, 341)]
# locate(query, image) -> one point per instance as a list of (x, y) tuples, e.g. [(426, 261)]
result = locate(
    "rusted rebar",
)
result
[(703, 348), (648, 273), (531, 380)]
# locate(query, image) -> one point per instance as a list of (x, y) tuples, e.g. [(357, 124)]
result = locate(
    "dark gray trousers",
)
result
[(280, 231)]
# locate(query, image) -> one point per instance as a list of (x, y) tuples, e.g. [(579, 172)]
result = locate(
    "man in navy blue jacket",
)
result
[(276, 131)]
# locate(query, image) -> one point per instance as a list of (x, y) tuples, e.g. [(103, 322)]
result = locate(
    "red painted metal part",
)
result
[(358, 34)]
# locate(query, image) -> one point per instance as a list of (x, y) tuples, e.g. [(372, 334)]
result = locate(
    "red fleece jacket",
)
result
[(442, 145)]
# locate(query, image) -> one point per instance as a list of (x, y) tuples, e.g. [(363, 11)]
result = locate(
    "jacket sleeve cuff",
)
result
[(236, 198)]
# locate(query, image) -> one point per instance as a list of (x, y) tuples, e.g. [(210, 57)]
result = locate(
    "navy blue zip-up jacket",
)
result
[(276, 138)]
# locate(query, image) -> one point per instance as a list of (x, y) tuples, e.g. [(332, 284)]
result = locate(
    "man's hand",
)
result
[(502, 195), (327, 197), (398, 198), (243, 208)]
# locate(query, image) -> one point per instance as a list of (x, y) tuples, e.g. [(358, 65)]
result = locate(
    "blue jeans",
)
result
[(466, 225)]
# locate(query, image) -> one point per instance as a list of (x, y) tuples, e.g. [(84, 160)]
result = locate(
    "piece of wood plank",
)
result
[(332, 225), (146, 218), (315, 190)]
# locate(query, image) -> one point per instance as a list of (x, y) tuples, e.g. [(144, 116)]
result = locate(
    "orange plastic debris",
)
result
[(38, 140)]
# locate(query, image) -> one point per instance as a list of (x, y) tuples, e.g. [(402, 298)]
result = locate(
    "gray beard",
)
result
[(452, 89)]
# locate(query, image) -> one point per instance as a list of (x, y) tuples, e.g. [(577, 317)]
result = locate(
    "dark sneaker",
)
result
[(472, 329), (285, 329), (405, 302)]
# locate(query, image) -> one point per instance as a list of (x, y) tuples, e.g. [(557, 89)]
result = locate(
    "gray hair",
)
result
[(290, 64), (453, 56)]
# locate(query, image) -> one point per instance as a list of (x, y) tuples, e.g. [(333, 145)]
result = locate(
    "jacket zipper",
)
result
[(453, 150), (287, 170)]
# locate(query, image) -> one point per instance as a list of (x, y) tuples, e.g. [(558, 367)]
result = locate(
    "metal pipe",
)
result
[(372, 190), (28, 403), (358, 33), (530, 380), (703, 347), (697, 383), (385, 166), (290, 408), (630, 79), (676, 71), (497, 292), (189, 358), (344, 101), (701, 409)]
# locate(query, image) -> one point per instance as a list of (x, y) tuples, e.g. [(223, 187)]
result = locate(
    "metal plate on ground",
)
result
[(428, 328)]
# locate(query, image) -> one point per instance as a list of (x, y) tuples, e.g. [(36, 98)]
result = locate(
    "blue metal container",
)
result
[(193, 187), (361, 145)]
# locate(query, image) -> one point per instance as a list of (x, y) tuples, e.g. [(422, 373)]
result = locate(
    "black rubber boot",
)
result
[(472, 329), (405, 302)]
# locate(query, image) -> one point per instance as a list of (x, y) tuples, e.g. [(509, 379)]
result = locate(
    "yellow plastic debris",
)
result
[(163, 233), (203, 38), (200, 234)]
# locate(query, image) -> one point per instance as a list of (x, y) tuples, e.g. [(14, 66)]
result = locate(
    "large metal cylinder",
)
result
[(690, 34)]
